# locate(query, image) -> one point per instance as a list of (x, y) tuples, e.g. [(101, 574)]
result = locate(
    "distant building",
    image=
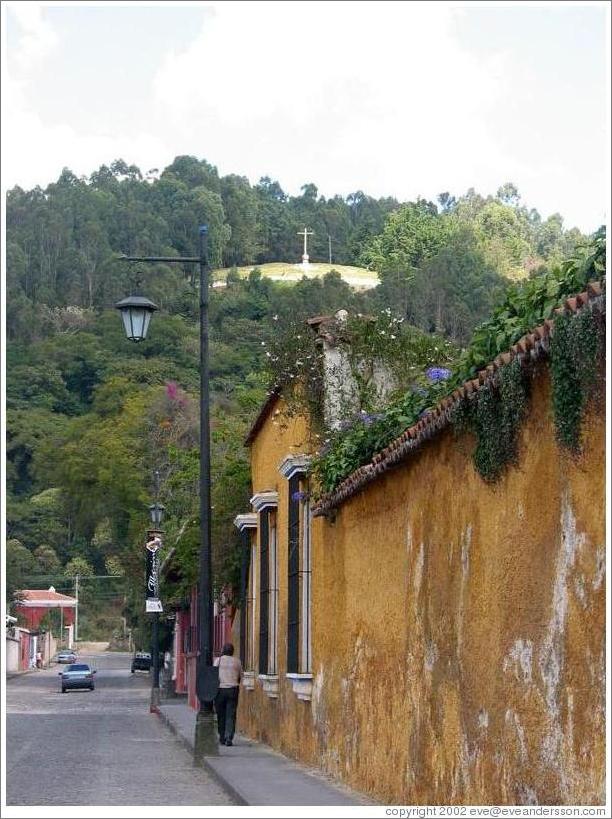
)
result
[(35, 604)]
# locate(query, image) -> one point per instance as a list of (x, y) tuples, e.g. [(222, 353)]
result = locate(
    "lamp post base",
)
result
[(155, 701), (206, 740)]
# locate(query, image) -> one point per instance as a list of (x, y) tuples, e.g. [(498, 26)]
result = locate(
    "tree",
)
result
[(240, 207), (410, 236), (20, 562), (508, 194), (80, 566), (47, 559)]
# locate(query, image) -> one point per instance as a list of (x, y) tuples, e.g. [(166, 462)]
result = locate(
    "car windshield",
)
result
[(78, 668)]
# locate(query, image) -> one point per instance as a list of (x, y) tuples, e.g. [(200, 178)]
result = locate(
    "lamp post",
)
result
[(157, 512), (136, 315)]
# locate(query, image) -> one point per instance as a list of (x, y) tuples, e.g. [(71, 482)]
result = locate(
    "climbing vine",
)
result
[(380, 358), (496, 412), (494, 416), (575, 352)]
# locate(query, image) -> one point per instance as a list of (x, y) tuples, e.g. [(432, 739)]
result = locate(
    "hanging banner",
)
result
[(153, 603)]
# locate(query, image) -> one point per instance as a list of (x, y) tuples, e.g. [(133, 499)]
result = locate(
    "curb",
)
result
[(13, 675), (233, 794)]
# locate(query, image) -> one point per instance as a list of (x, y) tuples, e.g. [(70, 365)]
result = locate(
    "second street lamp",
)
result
[(157, 510), (206, 678)]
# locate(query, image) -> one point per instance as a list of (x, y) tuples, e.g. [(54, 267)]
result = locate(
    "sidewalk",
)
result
[(10, 675), (254, 774)]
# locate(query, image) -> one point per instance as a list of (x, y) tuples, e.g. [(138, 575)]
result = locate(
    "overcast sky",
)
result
[(400, 99)]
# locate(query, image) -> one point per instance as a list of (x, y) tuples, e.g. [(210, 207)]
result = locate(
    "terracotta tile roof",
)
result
[(32, 597), (530, 347)]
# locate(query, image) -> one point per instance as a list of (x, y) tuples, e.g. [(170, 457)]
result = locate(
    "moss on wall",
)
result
[(458, 626)]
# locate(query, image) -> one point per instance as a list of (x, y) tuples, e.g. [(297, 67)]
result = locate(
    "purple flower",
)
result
[(300, 496), (172, 390), (369, 419), (438, 374)]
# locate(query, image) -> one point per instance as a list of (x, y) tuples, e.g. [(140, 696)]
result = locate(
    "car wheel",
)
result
[(63, 690), (132, 671), (91, 688)]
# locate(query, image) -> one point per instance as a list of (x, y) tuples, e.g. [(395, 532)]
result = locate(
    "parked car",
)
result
[(66, 656), (77, 675), (141, 661)]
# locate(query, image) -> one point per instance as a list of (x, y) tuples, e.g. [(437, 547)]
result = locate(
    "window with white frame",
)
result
[(273, 598), (252, 601), (247, 623), (268, 593), (305, 585), (299, 578)]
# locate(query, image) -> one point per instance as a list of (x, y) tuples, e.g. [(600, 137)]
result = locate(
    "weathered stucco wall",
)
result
[(458, 628)]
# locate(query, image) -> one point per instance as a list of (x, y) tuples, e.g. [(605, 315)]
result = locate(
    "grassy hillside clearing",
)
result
[(357, 277)]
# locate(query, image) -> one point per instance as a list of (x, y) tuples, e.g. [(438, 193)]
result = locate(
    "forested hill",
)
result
[(62, 241), (90, 415)]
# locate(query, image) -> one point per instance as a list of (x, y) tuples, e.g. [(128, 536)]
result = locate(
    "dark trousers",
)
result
[(226, 703)]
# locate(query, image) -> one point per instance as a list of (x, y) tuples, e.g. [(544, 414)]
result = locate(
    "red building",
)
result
[(186, 642), (34, 604)]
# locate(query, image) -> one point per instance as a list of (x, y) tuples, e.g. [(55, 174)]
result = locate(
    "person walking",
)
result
[(226, 701)]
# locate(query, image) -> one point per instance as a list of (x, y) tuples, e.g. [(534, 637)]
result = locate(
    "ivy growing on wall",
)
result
[(375, 349), (575, 353), (496, 412), (494, 415)]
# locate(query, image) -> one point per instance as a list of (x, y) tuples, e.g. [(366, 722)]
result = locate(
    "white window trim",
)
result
[(251, 658), (273, 600), (264, 500), (306, 592), (302, 685), (248, 680), (293, 464), (269, 684)]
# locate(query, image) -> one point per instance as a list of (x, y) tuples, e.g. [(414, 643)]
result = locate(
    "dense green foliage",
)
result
[(445, 268), (575, 349), (90, 416), (496, 414)]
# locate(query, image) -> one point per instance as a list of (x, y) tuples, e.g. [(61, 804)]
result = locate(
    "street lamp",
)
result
[(206, 679), (136, 312), (156, 510)]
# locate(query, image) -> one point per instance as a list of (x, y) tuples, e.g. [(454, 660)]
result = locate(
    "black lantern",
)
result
[(136, 312), (157, 512)]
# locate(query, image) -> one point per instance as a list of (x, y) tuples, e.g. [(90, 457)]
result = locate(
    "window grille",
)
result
[(293, 564), (264, 591), (305, 585), (245, 549), (273, 595)]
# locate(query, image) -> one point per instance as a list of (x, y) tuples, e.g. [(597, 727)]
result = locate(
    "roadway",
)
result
[(99, 747)]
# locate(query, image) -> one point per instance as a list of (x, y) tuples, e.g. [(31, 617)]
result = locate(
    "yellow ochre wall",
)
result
[(458, 627)]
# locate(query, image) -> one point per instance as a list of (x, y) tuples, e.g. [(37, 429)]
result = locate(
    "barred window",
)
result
[(299, 578), (248, 595), (264, 591), (268, 594)]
